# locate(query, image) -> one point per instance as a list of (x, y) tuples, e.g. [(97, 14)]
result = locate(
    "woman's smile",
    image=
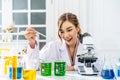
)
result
[(68, 40)]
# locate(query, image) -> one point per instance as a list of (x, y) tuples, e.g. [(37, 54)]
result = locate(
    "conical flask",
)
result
[(107, 70)]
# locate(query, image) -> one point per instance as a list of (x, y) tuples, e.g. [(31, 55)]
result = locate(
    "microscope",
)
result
[(87, 68), (87, 59)]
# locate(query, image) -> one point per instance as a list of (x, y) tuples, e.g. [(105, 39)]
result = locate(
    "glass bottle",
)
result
[(107, 70)]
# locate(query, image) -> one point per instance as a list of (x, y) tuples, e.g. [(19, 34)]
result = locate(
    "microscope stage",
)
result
[(88, 71)]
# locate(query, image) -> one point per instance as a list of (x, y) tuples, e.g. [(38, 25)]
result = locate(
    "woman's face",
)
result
[(69, 32)]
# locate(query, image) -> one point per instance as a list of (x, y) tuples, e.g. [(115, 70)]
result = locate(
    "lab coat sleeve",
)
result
[(32, 57), (48, 52), (33, 53)]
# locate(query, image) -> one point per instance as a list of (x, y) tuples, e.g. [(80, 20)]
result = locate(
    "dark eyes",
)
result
[(61, 32), (69, 30)]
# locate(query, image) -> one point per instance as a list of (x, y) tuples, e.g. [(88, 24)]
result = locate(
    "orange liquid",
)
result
[(29, 74)]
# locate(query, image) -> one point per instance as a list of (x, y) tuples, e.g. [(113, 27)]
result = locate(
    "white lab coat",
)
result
[(53, 51)]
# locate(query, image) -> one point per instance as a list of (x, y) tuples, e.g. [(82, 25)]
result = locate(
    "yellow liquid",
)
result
[(29, 74), (10, 61), (7, 62)]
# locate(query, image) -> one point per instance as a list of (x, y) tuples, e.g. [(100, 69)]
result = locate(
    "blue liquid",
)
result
[(10, 72), (107, 74), (119, 72), (19, 72)]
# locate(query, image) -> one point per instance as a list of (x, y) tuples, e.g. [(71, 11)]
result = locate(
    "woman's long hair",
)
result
[(71, 18)]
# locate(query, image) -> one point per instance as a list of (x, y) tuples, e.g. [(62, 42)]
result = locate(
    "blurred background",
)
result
[(100, 18)]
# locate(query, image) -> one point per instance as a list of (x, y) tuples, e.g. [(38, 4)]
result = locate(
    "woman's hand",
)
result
[(30, 35), (70, 68)]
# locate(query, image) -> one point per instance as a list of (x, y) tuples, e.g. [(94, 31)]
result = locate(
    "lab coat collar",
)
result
[(63, 47), (64, 53)]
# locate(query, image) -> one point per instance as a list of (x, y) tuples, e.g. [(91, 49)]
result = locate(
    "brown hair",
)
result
[(71, 18)]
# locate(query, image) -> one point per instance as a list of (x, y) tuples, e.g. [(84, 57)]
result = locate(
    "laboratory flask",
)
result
[(107, 70)]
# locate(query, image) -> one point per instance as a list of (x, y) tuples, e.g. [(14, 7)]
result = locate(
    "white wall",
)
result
[(104, 19), (104, 25)]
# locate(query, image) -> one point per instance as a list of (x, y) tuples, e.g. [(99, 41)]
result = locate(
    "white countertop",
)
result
[(70, 75)]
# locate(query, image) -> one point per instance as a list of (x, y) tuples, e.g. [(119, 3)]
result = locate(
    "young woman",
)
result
[(66, 48)]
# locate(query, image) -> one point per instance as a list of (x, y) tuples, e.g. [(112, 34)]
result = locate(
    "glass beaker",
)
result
[(46, 68), (18, 73), (15, 70), (29, 70), (59, 68), (107, 70)]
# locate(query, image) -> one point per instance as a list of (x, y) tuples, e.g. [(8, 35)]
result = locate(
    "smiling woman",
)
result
[(69, 33), (65, 49), (69, 28)]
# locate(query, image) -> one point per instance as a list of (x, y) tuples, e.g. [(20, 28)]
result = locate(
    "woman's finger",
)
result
[(30, 29)]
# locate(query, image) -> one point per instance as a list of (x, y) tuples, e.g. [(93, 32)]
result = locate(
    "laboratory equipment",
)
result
[(118, 68), (59, 68), (29, 70), (15, 68), (46, 68), (87, 59), (29, 74), (18, 72), (107, 71)]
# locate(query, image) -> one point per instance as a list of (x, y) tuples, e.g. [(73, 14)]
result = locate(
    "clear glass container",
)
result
[(29, 70), (107, 70)]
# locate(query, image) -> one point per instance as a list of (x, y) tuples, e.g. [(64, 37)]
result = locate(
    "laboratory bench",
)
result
[(70, 75)]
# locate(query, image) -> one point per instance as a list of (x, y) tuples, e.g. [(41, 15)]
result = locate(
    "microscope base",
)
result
[(92, 71)]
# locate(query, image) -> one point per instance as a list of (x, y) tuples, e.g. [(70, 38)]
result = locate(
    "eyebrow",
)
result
[(69, 27), (66, 28)]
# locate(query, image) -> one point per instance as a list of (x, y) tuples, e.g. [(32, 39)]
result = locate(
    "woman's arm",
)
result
[(32, 55)]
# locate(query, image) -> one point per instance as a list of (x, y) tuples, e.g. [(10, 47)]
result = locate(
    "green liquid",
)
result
[(59, 68), (46, 69)]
